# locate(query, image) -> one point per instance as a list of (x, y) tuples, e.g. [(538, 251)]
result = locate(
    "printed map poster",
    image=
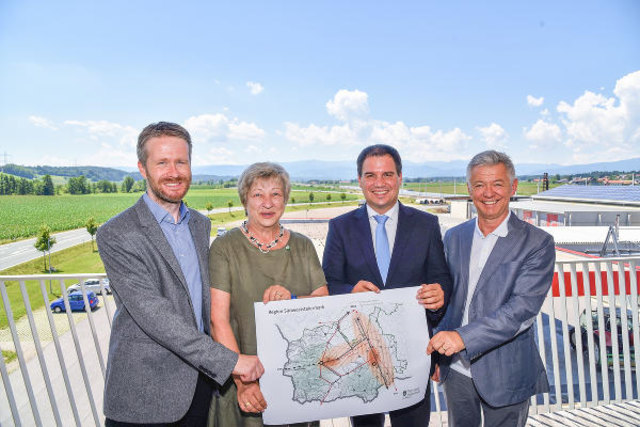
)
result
[(342, 355)]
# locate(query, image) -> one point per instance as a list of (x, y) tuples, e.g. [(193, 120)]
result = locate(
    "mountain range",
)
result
[(305, 170), (340, 170)]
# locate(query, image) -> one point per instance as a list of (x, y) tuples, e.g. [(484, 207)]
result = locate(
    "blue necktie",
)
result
[(382, 246)]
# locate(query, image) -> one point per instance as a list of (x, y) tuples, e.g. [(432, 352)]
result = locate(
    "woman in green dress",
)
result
[(258, 261)]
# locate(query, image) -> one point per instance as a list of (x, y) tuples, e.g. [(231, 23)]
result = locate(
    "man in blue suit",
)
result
[(502, 269), (383, 245)]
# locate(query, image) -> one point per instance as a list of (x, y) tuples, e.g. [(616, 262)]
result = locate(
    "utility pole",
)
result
[(6, 156)]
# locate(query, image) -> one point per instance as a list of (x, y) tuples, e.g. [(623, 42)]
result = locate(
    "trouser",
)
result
[(466, 408), (196, 416)]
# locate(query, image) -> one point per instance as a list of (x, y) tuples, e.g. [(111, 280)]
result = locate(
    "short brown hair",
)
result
[(155, 130)]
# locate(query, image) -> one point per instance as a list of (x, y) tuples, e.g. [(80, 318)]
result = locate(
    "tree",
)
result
[(47, 186), (230, 204), (311, 197), (92, 228), (293, 200), (209, 207), (328, 197), (78, 185), (44, 242), (343, 197), (105, 186), (127, 184), (140, 185)]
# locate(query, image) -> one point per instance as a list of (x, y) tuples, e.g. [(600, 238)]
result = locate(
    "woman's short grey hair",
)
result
[(262, 170), (491, 158)]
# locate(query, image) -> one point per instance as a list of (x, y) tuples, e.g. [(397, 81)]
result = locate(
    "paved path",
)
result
[(18, 252), (15, 253)]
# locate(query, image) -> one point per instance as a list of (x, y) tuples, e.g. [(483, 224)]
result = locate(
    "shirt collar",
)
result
[(391, 213), (162, 215), (501, 231)]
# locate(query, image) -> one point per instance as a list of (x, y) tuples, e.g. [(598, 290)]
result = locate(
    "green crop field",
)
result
[(22, 216), (460, 187)]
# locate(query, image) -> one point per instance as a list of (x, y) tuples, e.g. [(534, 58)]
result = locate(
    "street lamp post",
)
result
[(49, 250)]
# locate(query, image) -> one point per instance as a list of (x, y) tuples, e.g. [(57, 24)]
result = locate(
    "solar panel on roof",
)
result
[(622, 193)]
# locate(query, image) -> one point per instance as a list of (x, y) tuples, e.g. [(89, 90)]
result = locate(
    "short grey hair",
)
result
[(491, 158), (156, 130), (262, 170)]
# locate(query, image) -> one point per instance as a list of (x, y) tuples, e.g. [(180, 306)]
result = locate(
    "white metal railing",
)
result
[(600, 368), (58, 382), (58, 373)]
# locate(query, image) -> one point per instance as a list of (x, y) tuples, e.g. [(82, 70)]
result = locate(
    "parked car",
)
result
[(626, 326), (76, 302), (92, 285)]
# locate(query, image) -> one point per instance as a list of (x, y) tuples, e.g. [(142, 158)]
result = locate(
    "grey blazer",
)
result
[(505, 362), (156, 350)]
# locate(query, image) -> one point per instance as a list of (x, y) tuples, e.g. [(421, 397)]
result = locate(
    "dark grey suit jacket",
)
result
[(505, 362), (156, 350)]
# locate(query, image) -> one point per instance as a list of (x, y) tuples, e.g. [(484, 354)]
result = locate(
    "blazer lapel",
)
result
[(365, 240), (158, 240), (500, 252), (465, 240), (403, 233), (201, 242)]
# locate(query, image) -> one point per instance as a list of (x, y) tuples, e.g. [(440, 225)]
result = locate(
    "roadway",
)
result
[(15, 253), (12, 254)]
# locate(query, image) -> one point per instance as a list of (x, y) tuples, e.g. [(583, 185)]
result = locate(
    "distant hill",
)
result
[(340, 170), (92, 173), (305, 170)]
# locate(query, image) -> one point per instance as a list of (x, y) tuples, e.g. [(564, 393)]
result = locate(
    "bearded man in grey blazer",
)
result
[(502, 268), (162, 360)]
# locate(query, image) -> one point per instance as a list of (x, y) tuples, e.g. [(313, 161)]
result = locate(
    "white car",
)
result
[(92, 285)]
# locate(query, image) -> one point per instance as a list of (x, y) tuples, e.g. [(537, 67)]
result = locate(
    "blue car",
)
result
[(75, 301)]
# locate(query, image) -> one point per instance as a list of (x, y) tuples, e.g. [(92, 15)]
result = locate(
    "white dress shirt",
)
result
[(481, 248)]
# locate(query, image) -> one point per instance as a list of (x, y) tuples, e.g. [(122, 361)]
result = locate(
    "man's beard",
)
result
[(165, 197)]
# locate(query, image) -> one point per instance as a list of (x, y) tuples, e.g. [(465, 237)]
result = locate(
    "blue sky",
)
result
[(545, 81)]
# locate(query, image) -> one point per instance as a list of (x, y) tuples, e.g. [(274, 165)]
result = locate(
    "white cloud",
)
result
[(110, 144), (348, 104), (323, 135), (42, 122), (351, 107), (494, 136), (535, 102), (218, 127), (102, 130), (109, 154), (604, 128), (255, 88), (245, 131), (543, 135), (215, 155)]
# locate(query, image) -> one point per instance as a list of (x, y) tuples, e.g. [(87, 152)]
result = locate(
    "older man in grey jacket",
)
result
[(502, 268), (162, 360)]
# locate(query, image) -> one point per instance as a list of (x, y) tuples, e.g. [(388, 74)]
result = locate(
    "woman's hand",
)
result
[(250, 398), (275, 293)]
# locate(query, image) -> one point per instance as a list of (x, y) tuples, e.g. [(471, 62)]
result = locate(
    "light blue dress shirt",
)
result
[(179, 238)]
